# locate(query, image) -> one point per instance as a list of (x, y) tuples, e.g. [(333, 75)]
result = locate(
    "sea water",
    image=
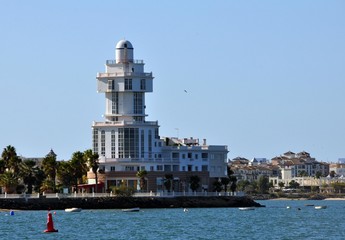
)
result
[(275, 221)]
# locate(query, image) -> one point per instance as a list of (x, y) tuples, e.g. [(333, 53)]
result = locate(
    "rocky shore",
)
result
[(126, 202)]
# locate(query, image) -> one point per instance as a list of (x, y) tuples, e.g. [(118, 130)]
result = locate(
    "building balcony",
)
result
[(113, 62), (124, 74), (124, 123)]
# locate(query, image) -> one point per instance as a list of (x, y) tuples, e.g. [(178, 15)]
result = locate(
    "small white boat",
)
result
[(131, 210), (73, 210), (320, 207), (246, 208), (288, 207)]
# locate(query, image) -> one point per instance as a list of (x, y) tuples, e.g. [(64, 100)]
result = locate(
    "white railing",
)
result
[(125, 74), (148, 194)]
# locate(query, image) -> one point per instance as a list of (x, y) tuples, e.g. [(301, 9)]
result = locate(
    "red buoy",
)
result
[(50, 224)]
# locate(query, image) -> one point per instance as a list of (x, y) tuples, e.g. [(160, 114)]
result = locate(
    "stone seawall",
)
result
[(126, 202)]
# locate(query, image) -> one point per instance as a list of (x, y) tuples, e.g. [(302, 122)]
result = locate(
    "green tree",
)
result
[(168, 180), (263, 184), (281, 185), (28, 170), (92, 161), (318, 174), (293, 184), (78, 167), (49, 166), (2, 166), (217, 186), (9, 181), (225, 182), (64, 174), (141, 175), (12, 161), (233, 185), (194, 182)]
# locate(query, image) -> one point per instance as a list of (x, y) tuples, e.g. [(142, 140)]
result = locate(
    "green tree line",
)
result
[(50, 176)]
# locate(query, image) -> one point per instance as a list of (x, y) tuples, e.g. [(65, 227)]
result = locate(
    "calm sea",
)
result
[(274, 221)]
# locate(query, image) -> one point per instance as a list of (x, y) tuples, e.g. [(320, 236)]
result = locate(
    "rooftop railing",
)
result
[(125, 74)]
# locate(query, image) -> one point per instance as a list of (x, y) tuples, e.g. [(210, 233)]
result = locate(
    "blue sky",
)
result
[(263, 77)]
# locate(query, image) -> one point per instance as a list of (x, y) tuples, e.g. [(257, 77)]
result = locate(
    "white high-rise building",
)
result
[(127, 143)]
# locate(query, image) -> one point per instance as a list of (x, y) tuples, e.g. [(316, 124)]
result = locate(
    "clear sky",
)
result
[(263, 77)]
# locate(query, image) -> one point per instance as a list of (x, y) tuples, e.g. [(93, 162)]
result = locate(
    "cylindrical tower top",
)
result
[(124, 52)]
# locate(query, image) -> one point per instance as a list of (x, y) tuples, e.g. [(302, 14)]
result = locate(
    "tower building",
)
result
[(127, 143)]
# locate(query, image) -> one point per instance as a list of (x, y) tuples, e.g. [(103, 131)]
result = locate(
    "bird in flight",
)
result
[(185, 91)]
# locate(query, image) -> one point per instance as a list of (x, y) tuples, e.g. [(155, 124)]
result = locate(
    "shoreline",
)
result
[(303, 199), (127, 202)]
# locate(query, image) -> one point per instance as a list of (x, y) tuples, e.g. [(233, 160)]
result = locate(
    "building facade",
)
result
[(127, 143)]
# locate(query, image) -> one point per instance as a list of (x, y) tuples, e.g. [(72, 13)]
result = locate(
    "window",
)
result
[(156, 133), (159, 167), (167, 168), (103, 142), (142, 143), (128, 143), (110, 84), (95, 140), (128, 84), (112, 169), (129, 168), (138, 103), (204, 168), (189, 155), (113, 144), (196, 156), (115, 103), (142, 84), (196, 168), (190, 168), (183, 168), (204, 155), (150, 144)]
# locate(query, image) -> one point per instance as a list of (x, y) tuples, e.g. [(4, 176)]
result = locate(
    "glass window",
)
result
[(103, 142), (138, 103), (128, 143), (128, 84), (142, 84), (113, 144)]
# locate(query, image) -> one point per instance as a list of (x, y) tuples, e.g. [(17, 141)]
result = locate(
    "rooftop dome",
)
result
[(124, 44)]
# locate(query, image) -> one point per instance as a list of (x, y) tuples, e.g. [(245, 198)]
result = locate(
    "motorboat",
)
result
[(131, 210), (73, 210), (246, 208), (320, 207)]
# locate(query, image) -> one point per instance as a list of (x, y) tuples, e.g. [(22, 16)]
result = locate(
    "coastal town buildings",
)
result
[(128, 143)]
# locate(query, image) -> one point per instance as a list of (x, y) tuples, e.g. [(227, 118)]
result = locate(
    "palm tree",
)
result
[(168, 181), (12, 161), (49, 166), (9, 181), (64, 173), (93, 162), (27, 173), (225, 181), (78, 167), (194, 182), (141, 175)]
